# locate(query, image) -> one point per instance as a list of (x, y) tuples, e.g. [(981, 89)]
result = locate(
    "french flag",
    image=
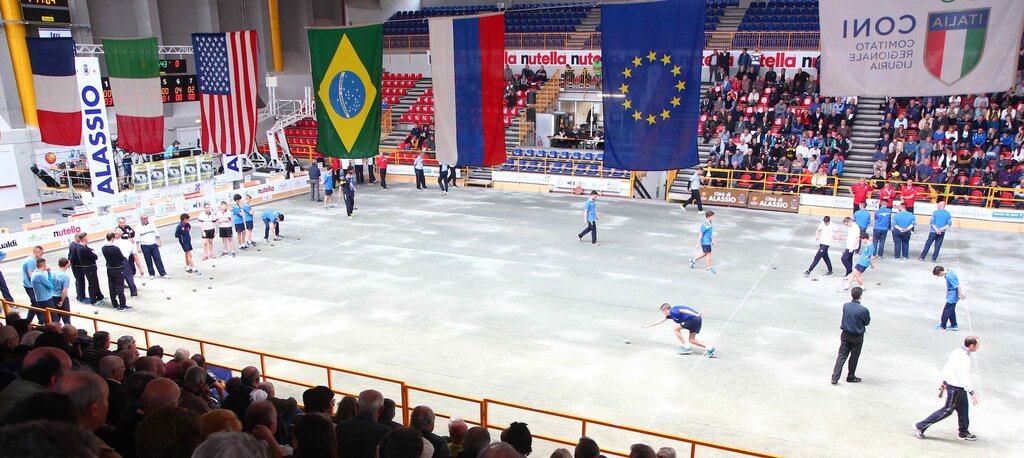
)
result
[(58, 103), (467, 55)]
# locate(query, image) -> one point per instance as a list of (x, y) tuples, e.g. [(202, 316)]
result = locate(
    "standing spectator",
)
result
[(695, 180), (417, 166), (359, 436), (823, 235), (115, 273), (83, 266), (744, 59), (598, 69), (149, 244), (183, 232), (856, 318), (590, 216), (903, 223), (860, 191), (909, 194), (886, 196), (382, 166), (953, 295), (956, 382), (940, 222), (314, 183)]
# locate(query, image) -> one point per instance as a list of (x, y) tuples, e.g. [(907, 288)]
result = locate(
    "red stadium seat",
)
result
[(975, 198), (976, 180), (744, 181), (1006, 198)]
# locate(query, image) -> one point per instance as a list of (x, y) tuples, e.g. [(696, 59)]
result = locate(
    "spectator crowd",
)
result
[(66, 393)]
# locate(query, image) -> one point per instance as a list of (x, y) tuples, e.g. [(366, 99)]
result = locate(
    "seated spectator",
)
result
[(232, 445), (172, 369), (359, 436), (587, 448), (313, 437), (387, 415), (400, 443), (518, 436), (541, 76), (218, 421), (500, 450), (44, 405), (195, 393), (46, 439), (422, 420), (100, 348), (170, 431), (159, 393), (239, 399), (152, 364), (641, 451), (347, 409), (319, 400), (456, 435), (41, 370), (261, 421)]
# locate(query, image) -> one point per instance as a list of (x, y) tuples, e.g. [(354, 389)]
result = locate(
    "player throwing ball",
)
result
[(686, 318)]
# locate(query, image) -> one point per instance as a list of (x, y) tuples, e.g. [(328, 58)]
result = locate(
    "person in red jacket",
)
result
[(382, 167), (909, 194), (887, 195), (860, 192)]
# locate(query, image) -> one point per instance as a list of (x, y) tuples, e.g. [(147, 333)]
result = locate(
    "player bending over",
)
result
[(686, 318)]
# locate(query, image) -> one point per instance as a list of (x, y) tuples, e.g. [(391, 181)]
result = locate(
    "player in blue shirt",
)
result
[(706, 241), (61, 283), (902, 227), (28, 267), (953, 295), (183, 232), (42, 289), (239, 221), (867, 259), (328, 188), (941, 221), (862, 217), (590, 216), (686, 318), (883, 220), (248, 215), (271, 217)]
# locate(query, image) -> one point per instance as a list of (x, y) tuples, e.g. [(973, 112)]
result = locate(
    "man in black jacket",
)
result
[(855, 319), (239, 399), (359, 436), (83, 266), (422, 420)]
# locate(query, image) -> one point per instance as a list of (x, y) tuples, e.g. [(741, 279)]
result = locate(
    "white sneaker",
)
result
[(165, 277), (682, 207), (152, 277)]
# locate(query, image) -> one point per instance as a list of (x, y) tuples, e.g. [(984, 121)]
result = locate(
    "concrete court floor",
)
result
[(488, 294)]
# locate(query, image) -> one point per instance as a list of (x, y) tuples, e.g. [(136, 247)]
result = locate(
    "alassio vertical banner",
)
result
[(919, 47), (96, 132)]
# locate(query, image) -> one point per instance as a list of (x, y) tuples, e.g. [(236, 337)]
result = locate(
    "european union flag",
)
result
[(651, 56)]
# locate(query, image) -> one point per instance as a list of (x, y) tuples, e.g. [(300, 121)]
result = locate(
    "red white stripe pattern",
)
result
[(227, 85)]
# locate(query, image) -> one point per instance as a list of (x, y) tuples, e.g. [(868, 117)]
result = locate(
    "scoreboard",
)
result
[(173, 89), (173, 66), (46, 11)]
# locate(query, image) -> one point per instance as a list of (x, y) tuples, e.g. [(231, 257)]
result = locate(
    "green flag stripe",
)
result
[(973, 47), (368, 42), (132, 58)]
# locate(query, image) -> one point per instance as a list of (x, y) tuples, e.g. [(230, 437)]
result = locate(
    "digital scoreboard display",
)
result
[(173, 66), (173, 89), (46, 15), (57, 3)]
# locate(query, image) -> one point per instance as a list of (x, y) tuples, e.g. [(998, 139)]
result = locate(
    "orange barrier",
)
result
[(766, 41), (483, 406)]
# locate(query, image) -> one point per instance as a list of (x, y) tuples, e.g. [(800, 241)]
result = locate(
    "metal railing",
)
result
[(406, 390), (803, 183), (765, 41)]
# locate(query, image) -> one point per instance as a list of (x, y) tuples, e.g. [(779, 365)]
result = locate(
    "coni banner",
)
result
[(920, 47)]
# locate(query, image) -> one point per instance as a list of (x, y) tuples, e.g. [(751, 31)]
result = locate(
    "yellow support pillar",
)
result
[(275, 35), (11, 10)]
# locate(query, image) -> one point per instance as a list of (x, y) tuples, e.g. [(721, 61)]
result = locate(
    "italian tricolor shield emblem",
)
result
[(955, 42)]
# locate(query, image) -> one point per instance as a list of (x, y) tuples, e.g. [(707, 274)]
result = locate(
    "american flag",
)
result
[(226, 70)]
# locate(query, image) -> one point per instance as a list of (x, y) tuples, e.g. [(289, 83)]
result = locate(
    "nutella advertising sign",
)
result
[(518, 58)]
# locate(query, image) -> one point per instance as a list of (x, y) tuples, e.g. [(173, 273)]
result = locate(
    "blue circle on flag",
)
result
[(347, 94)]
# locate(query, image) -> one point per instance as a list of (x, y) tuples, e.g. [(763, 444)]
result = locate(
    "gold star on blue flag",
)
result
[(657, 66)]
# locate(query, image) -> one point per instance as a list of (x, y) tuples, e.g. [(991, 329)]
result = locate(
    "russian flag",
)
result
[(466, 56), (58, 103)]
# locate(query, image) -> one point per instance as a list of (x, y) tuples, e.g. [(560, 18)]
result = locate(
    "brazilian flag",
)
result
[(347, 67)]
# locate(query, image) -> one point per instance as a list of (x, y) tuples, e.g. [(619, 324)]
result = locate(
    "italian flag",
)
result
[(134, 70)]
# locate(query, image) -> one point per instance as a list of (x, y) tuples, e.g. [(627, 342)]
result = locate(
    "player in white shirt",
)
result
[(824, 235), (208, 223), (224, 228), (852, 238), (956, 382)]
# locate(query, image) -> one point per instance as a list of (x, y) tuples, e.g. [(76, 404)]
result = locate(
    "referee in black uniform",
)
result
[(855, 319)]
